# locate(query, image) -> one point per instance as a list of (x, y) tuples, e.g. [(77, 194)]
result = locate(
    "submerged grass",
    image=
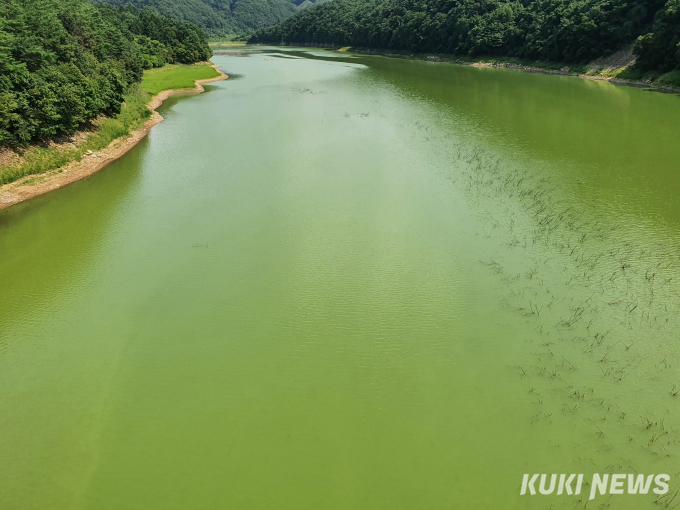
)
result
[(599, 297), (606, 289), (40, 159)]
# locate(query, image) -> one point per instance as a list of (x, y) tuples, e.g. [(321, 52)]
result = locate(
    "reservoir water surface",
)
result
[(339, 281)]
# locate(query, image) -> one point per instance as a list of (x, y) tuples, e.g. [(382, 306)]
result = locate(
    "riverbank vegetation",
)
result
[(38, 159), (660, 48), (64, 63), (560, 31)]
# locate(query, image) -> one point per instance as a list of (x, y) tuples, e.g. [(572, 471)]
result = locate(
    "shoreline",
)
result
[(500, 64), (20, 190), (530, 69)]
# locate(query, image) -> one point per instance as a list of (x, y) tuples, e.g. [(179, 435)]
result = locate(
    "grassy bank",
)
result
[(176, 77), (671, 79), (225, 45), (37, 160), (40, 159)]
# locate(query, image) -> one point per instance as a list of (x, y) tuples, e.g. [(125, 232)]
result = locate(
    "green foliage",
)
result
[(160, 38), (37, 160), (672, 78), (574, 31), (659, 50), (220, 18), (65, 62), (627, 73), (174, 77)]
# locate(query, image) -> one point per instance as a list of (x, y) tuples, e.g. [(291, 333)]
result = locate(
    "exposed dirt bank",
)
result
[(34, 185)]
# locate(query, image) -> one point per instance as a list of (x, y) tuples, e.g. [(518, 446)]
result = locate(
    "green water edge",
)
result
[(344, 281)]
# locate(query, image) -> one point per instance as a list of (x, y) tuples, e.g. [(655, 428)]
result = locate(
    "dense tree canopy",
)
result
[(220, 18), (64, 62), (160, 38), (553, 30), (660, 49)]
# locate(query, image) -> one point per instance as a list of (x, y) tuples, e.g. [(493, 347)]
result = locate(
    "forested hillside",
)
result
[(64, 62), (551, 30), (660, 48), (220, 18)]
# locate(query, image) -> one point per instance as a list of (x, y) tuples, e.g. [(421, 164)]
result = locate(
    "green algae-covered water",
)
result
[(350, 282)]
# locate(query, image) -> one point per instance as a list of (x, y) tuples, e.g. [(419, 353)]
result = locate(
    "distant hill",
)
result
[(221, 18)]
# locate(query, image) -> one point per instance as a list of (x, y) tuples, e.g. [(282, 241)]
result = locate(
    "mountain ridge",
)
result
[(220, 18)]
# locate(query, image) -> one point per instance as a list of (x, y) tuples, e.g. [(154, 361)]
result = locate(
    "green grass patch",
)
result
[(672, 79), (176, 76), (578, 69), (628, 73), (38, 160), (226, 44)]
